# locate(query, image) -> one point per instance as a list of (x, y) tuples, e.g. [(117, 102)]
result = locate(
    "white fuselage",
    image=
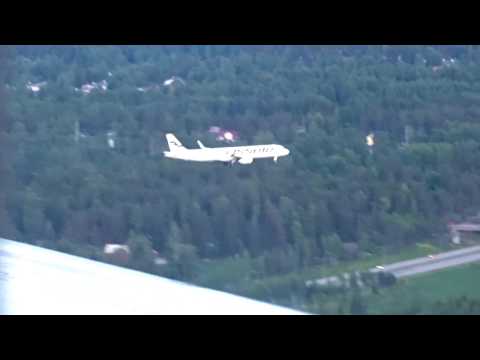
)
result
[(242, 154)]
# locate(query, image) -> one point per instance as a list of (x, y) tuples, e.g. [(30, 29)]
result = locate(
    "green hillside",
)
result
[(332, 200)]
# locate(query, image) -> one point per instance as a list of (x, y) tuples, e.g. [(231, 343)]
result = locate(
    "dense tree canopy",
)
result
[(421, 103)]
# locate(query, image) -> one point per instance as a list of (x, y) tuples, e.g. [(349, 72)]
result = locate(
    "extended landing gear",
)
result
[(229, 163), (275, 159)]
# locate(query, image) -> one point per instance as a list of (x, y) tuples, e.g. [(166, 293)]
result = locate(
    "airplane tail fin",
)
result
[(173, 143)]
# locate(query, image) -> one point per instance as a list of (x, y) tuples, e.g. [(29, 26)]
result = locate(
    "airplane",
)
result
[(229, 155)]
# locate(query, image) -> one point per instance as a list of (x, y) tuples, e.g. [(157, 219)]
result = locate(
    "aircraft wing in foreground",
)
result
[(36, 281)]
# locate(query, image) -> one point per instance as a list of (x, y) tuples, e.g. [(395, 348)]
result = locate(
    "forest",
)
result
[(82, 134)]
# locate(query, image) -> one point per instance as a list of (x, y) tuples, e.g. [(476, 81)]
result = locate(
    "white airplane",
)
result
[(229, 155)]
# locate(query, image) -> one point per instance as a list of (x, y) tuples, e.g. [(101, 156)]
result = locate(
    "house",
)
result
[(35, 87), (88, 88), (457, 229), (148, 88), (173, 81), (121, 254), (301, 130), (223, 134), (370, 139), (103, 85), (158, 260), (111, 136), (117, 253), (445, 64), (214, 129)]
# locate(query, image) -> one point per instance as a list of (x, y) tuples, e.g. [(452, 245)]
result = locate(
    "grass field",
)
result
[(235, 274), (411, 252), (410, 294), (407, 296), (216, 273)]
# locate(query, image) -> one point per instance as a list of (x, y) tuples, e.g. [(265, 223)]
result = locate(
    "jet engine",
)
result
[(245, 161)]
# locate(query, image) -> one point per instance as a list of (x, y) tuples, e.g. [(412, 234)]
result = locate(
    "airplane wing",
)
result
[(34, 280)]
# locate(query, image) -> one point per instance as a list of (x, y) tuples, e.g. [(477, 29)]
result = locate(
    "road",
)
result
[(437, 262), (419, 265), (34, 280)]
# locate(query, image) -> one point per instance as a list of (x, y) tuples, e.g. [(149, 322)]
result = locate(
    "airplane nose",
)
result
[(287, 151)]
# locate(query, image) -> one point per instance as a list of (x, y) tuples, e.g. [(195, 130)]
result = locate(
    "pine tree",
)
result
[(7, 228), (141, 252), (183, 255)]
